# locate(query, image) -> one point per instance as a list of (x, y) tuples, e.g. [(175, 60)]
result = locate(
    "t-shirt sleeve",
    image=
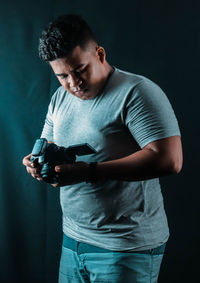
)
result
[(47, 131), (150, 116)]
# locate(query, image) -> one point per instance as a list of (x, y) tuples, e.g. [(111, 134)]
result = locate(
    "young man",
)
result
[(114, 223)]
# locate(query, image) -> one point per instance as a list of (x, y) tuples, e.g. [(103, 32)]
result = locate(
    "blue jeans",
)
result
[(82, 263)]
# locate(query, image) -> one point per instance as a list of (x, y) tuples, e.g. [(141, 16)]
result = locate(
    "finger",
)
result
[(28, 170), (62, 168), (34, 166), (58, 168), (33, 170), (29, 163), (26, 160), (55, 185), (35, 175)]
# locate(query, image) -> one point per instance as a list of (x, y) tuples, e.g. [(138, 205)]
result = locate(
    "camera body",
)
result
[(49, 155)]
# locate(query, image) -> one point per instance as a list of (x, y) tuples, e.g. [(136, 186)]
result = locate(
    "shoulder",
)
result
[(133, 82), (127, 89), (60, 98), (58, 94), (145, 97)]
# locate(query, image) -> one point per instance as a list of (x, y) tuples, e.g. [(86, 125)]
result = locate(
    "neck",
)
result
[(109, 69), (108, 72)]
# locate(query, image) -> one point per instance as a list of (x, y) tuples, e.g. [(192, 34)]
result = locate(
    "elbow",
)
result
[(175, 166), (170, 155), (171, 164)]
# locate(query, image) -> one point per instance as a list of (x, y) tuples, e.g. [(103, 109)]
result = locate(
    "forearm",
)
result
[(142, 165), (159, 158)]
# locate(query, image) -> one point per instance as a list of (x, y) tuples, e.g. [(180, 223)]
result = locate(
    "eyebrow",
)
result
[(63, 74)]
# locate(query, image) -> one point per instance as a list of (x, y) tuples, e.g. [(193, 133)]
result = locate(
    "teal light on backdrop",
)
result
[(158, 39)]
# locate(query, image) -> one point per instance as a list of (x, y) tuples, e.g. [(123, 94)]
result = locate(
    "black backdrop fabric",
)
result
[(158, 39)]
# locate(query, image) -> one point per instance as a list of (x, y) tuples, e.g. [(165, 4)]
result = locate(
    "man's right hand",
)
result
[(32, 168)]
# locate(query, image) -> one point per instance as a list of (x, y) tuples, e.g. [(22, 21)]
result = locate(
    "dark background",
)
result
[(157, 39)]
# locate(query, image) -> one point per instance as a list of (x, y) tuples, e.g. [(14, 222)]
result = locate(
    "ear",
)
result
[(101, 54)]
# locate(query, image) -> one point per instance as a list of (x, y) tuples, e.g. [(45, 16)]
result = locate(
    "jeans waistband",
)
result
[(81, 248)]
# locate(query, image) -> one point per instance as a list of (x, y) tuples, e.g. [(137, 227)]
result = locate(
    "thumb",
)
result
[(61, 168)]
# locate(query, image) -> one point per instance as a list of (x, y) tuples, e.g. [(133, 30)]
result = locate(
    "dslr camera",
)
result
[(49, 155)]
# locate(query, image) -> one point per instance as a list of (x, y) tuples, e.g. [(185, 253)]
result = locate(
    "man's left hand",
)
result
[(69, 174)]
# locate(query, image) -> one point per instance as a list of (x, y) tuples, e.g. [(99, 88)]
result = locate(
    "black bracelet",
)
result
[(92, 174)]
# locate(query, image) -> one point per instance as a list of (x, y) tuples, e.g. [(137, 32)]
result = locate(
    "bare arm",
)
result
[(159, 158)]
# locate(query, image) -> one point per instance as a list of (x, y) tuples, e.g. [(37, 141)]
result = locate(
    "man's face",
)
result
[(82, 73)]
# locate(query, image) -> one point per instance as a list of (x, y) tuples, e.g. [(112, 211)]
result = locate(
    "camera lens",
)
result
[(48, 173)]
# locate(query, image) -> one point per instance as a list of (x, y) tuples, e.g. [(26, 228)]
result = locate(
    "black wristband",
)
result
[(92, 174)]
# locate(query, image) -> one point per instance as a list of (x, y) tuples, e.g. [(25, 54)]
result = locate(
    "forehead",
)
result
[(78, 57)]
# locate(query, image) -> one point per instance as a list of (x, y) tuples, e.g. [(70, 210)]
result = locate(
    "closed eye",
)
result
[(62, 77), (80, 71)]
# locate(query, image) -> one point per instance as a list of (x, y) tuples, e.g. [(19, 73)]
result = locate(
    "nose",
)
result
[(74, 81)]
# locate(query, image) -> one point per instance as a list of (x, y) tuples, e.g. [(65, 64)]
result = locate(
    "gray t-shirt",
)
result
[(130, 112)]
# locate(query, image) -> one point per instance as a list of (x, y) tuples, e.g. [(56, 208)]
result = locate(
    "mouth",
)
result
[(80, 91)]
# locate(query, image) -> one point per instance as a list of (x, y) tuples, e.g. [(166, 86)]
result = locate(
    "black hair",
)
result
[(62, 35)]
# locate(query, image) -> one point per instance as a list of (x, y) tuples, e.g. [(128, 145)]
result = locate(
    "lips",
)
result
[(80, 91)]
